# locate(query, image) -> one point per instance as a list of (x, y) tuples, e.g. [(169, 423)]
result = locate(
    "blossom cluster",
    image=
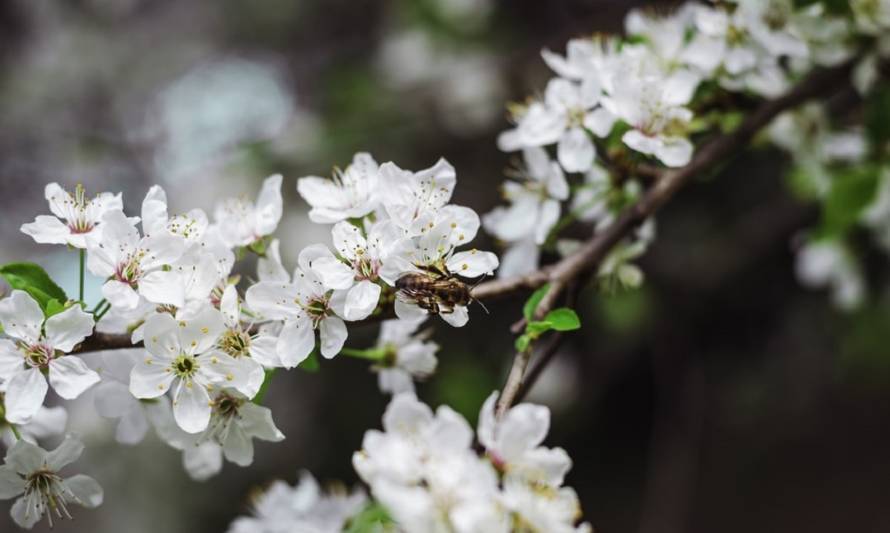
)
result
[(209, 348), (618, 113), (616, 104), (423, 468)]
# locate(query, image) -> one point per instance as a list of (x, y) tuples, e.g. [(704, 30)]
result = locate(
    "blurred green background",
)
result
[(719, 397)]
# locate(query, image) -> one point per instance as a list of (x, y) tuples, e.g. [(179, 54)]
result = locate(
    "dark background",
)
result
[(721, 396)]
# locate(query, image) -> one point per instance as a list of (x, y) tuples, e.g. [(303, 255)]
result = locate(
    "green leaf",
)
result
[(373, 518), (536, 327), (310, 364), (528, 310), (32, 279), (264, 388), (563, 319), (53, 307), (522, 343), (851, 192)]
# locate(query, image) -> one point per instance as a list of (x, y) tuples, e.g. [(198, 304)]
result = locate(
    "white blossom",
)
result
[(407, 356), (32, 472), (134, 265), (305, 305), (283, 508), (185, 354), (234, 423), (39, 354), (352, 193), (75, 216), (240, 222)]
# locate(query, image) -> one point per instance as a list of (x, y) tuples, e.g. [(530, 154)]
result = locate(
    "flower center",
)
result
[(37, 355), (185, 366), (128, 271), (80, 223), (227, 406), (235, 343), (318, 309), (45, 491)]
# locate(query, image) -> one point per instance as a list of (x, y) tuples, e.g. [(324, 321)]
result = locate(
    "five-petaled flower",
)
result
[(39, 353)]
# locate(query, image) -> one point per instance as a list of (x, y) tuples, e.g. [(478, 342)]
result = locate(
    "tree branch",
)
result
[(579, 265)]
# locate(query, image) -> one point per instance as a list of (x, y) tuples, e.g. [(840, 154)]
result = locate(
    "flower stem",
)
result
[(372, 354), (82, 259), (103, 311), (98, 305)]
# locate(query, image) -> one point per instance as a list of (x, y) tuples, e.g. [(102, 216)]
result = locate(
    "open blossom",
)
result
[(423, 470), (533, 211), (241, 222), (357, 270), (33, 473), (643, 95), (234, 423), (352, 193), (39, 353), (134, 264), (112, 398), (206, 255), (567, 109), (434, 252), (76, 216), (184, 355), (252, 352), (413, 199), (283, 508), (305, 305), (407, 356), (513, 443)]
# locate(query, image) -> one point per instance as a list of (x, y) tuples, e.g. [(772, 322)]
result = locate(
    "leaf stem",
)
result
[(82, 260)]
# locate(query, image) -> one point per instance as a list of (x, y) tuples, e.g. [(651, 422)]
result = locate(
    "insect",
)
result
[(435, 290)]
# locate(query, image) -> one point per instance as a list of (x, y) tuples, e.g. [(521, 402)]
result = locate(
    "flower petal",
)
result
[(87, 491), (25, 457), (68, 328), (273, 299), (48, 230), (268, 206), (11, 483), (199, 334), (333, 336), (262, 350), (150, 378), (458, 316), (575, 151), (295, 343), (70, 376), (24, 395), (472, 263), (202, 461), (161, 334), (21, 317), (191, 407), (163, 287), (23, 517), (65, 453), (361, 300), (120, 294)]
